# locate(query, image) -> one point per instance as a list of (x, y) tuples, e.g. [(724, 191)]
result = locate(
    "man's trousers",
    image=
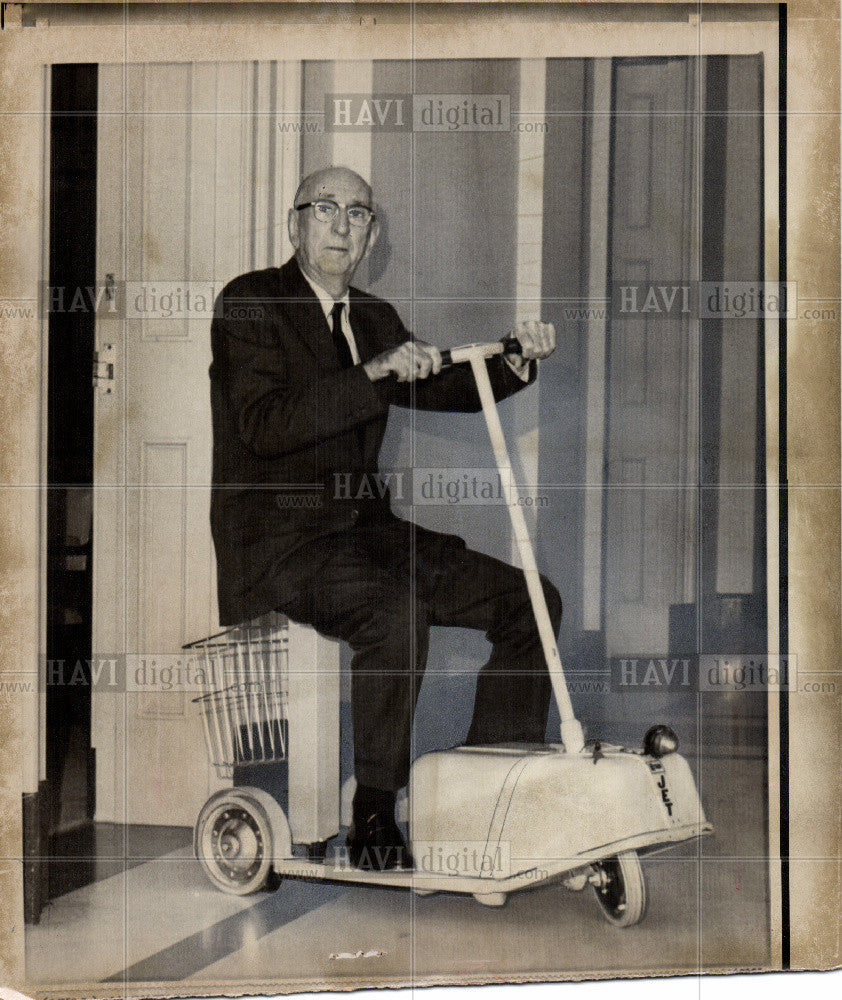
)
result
[(380, 587)]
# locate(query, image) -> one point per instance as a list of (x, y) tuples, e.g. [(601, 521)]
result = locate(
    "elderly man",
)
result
[(305, 368)]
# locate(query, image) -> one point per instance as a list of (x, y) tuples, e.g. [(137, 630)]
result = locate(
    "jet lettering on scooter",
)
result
[(665, 795), (661, 781)]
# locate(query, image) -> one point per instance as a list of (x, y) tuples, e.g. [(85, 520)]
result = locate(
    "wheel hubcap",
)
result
[(236, 844), (608, 881)]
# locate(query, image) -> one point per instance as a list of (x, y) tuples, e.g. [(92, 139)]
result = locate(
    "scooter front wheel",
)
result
[(234, 839), (620, 888)]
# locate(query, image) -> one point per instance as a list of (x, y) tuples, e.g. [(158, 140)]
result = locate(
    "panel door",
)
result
[(191, 170), (650, 546)]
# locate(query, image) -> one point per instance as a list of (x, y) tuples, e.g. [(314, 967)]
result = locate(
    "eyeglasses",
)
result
[(325, 211)]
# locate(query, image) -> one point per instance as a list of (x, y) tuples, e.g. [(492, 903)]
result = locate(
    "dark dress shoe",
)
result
[(377, 844)]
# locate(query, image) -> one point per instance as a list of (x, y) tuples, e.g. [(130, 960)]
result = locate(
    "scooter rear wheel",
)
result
[(620, 888), (234, 837)]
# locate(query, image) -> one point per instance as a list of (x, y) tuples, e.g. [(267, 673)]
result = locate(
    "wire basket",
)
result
[(243, 706)]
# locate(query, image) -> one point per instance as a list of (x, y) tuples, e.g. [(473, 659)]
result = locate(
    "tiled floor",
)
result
[(162, 920)]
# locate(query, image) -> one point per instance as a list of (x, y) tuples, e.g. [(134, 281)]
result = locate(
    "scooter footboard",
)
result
[(511, 810)]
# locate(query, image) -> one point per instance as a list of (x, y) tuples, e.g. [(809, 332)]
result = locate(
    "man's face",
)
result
[(329, 252)]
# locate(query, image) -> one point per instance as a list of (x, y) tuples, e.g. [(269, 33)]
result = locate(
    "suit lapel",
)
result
[(364, 333), (305, 315)]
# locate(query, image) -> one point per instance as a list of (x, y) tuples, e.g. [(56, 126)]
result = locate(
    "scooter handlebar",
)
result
[(456, 355)]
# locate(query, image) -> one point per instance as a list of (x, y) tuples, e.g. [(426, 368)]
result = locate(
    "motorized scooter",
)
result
[(485, 821)]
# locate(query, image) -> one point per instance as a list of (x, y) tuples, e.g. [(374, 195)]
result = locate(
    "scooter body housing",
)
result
[(501, 812)]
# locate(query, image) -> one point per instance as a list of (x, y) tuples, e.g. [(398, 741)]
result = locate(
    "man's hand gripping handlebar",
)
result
[(416, 359)]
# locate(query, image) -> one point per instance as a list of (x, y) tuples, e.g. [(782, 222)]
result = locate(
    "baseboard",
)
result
[(35, 872)]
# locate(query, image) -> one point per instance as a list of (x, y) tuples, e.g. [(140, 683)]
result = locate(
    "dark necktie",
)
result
[(340, 342)]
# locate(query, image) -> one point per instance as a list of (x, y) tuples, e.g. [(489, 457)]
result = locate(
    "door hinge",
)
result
[(103, 369)]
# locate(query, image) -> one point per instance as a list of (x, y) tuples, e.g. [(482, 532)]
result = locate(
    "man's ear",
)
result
[(292, 228), (373, 233)]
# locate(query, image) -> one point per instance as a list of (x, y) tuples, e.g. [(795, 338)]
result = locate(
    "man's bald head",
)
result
[(329, 251), (321, 184)]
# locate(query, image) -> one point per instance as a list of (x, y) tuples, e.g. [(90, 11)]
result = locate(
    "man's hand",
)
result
[(537, 340), (410, 361)]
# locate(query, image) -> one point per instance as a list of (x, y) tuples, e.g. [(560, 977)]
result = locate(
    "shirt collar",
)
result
[(325, 298)]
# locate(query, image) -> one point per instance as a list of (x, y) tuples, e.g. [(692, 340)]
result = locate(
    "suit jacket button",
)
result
[(355, 514)]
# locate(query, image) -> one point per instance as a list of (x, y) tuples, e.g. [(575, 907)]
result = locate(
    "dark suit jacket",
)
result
[(286, 419)]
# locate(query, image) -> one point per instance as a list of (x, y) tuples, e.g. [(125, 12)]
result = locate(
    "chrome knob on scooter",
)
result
[(660, 741)]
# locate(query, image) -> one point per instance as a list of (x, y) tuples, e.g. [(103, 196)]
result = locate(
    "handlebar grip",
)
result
[(511, 345)]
